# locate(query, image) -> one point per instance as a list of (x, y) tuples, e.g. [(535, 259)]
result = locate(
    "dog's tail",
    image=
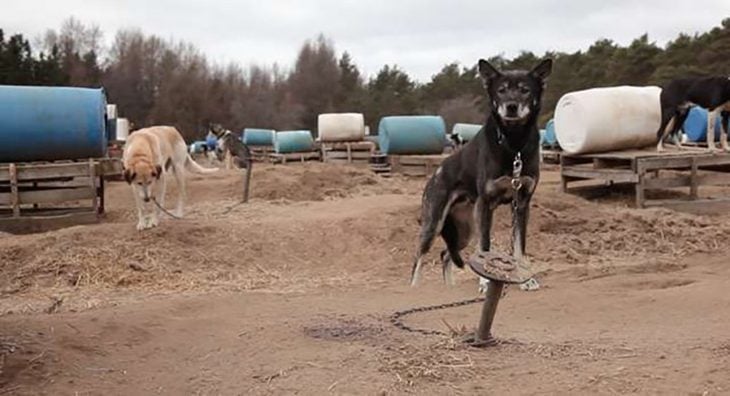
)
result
[(194, 167)]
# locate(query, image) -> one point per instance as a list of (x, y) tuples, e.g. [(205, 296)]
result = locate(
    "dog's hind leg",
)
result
[(456, 232), (434, 209), (181, 193), (664, 128), (678, 126)]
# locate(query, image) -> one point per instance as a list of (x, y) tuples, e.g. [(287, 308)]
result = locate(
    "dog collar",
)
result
[(502, 141)]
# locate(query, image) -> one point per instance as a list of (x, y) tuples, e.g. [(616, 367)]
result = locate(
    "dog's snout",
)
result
[(512, 109), (146, 199)]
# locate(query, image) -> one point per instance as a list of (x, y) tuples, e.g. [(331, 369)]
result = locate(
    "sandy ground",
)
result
[(291, 294)]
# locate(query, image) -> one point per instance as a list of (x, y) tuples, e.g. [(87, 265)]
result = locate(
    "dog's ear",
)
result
[(129, 176), (543, 69), (487, 71), (158, 171)]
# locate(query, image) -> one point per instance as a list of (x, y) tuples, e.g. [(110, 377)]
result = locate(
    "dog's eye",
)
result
[(502, 90), (524, 90)]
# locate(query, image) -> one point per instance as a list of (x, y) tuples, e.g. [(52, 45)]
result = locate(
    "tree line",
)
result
[(157, 81)]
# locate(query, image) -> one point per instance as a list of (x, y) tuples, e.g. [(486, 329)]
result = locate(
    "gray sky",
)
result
[(419, 36)]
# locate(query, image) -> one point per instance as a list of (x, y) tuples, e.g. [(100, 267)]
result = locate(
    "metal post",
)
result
[(247, 181), (483, 336)]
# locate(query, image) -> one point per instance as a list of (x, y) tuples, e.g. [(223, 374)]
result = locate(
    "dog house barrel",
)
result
[(293, 142), (549, 139), (258, 137), (467, 132), (341, 127), (695, 126), (605, 119), (122, 129), (412, 135), (51, 123)]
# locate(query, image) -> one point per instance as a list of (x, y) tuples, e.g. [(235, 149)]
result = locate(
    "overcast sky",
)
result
[(418, 35)]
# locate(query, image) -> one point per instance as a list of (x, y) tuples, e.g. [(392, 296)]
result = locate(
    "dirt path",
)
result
[(293, 296)]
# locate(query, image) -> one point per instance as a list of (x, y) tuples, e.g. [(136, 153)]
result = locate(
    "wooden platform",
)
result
[(550, 156), (261, 153), (347, 152), (379, 164), (416, 165), (649, 170), (294, 157), (36, 195)]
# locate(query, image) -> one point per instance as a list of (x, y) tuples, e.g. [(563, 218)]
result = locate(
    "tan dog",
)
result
[(148, 155)]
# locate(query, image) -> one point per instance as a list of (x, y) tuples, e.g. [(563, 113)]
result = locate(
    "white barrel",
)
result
[(122, 128), (111, 111), (605, 119), (341, 127)]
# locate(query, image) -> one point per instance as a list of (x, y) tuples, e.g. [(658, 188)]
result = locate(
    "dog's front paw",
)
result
[(178, 213), (483, 285), (141, 225), (154, 221), (530, 285)]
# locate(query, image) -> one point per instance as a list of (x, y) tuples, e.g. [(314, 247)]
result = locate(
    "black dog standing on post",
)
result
[(481, 173)]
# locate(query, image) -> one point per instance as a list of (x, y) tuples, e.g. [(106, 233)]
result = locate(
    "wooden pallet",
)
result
[(294, 157), (649, 170), (550, 156), (416, 165), (380, 165), (347, 152), (36, 195), (261, 153)]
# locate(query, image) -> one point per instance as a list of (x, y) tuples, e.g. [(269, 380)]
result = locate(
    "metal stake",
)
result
[(483, 336)]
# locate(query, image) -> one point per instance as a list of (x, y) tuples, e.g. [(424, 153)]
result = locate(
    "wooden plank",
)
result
[(14, 198), (27, 172), (640, 189), (611, 175), (47, 221), (714, 179), (667, 182), (694, 186), (354, 146), (345, 155), (92, 185), (56, 196)]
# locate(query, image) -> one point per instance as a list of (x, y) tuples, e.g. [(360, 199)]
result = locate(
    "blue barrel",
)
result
[(695, 126), (211, 141), (258, 137), (412, 135), (293, 142), (198, 147), (466, 131), (51, 123), (550, 139)]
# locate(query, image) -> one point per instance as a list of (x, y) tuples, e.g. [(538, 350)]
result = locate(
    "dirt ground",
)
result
[(291, 294)]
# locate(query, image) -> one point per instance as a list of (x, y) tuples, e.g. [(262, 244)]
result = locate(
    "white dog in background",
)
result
[(148, 155)]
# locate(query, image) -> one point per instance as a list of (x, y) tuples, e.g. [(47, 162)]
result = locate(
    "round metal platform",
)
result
[(501, 267)]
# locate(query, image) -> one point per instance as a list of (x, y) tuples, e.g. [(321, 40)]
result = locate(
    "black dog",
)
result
[(711, 93), (231, 148), (481, 173)]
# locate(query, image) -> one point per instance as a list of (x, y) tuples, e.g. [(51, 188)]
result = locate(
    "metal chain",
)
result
[(165, 210), (516, 187), (397, 318)]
